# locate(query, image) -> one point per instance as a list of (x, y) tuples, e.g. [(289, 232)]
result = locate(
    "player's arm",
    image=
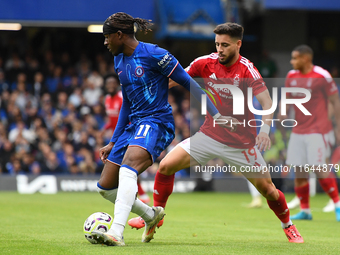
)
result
[(262, 139), (334, 100), (169, 66), (180, 76), (123, 119), (172, 83), (330, 110)]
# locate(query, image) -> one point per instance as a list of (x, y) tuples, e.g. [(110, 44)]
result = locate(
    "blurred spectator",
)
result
[(91, 93), (52, 165), (13, 66), (96, 79), (76, 98), (113, 101), (53, 111), (54, 81), (29, 165), (38, 86), (21, 131), (14, 166), (3, 84)]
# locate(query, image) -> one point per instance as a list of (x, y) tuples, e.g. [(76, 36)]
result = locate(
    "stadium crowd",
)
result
[(53, 115), (52, 112)]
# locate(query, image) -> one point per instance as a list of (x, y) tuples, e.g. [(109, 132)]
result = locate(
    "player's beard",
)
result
[(228, 59)]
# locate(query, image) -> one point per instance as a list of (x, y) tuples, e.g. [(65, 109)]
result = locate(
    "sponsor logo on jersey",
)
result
[(165, 61), (139, 71), (213, 76)]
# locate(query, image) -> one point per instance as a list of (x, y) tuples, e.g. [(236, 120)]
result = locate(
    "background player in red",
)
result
[(308, 141), (237, 148), (113, 103), (113, 100)]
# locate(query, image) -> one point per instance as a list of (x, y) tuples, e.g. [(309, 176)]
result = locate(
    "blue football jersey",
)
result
[(144, 79)]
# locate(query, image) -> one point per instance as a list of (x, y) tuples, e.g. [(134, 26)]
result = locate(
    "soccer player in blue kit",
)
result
[(145, 126)]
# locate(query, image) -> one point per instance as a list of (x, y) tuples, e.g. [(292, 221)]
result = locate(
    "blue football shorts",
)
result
[(153, 135)]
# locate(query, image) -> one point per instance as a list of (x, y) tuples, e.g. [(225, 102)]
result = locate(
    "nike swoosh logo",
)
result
[(137, 137)]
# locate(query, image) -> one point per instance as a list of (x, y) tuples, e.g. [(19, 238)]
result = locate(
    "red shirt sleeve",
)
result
[(194, 68), (255, 80), (330, 87)]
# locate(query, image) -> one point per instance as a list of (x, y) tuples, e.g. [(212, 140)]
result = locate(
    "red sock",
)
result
[(280, 207), (303, 194), (330, 186), (162, 189), (140, 189)]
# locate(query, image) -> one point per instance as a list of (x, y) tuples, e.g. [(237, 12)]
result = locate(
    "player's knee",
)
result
[(164, 168), (271, 193), (268, 190)]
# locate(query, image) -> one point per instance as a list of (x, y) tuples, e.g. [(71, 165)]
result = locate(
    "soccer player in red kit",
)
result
[(113, 103), (113, 100), (239, 148), (309, 142)]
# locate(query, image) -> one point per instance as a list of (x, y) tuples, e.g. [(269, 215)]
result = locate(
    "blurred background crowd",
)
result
[(53, 71), (53, 113)]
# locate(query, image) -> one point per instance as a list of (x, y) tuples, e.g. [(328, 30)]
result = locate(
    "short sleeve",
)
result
[(165, 62), (255, 80), (330, 87), (193, 69)]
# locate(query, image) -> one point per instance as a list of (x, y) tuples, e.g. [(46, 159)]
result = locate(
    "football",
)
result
[(97, 221)]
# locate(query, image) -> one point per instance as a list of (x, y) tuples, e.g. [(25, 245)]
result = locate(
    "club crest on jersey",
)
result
[(139, 71), (309, 82), (237, 80), (293, 83)]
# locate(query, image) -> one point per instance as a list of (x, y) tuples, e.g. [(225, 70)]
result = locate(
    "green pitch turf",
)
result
[(196, 223)]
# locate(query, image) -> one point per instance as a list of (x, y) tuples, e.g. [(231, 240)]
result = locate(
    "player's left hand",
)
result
[(263, 141)]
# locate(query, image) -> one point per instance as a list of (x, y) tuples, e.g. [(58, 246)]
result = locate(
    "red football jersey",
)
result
[(242, 74), (321, 85), (112, 108)]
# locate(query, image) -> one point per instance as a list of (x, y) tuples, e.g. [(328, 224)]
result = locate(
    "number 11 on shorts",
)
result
[(141, 127)]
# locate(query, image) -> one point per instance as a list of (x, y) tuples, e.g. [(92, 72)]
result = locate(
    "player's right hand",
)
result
[(105, 151), (227, 122)]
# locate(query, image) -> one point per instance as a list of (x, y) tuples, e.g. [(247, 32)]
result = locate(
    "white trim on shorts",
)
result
[(203, 148)]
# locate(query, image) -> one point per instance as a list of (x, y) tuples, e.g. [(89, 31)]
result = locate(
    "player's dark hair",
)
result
[(126, 23), (234, 30), (304, 49)]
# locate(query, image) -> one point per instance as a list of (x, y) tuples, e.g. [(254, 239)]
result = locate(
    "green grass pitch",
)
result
[(196, 223)]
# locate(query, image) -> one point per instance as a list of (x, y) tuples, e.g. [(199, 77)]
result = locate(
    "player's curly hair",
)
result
[(234, 30), (125, 21)]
